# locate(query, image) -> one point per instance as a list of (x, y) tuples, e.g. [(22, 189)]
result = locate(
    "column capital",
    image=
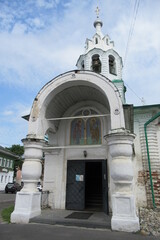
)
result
[(120, 143), (33, 148), (119, 136), (36, 141)]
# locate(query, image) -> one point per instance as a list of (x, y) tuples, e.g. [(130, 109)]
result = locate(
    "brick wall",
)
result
[(143, 176), (144, 179)]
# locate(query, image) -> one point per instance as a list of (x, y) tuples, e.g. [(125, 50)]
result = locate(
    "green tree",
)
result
[(18, 150)]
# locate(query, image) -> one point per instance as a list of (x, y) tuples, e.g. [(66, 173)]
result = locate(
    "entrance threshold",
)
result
[(59, 217)]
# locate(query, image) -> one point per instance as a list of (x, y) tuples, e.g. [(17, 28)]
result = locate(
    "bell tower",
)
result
[(101, 57)]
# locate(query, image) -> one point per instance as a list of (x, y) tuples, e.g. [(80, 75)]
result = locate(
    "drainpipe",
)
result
[(149, 163)]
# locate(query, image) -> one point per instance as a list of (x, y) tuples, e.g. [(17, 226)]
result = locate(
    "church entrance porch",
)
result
[(59, 110), (61, 217), (87, 186)]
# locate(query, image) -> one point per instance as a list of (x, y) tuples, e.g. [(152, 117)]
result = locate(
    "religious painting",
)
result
[(93, 131), (77, 132)]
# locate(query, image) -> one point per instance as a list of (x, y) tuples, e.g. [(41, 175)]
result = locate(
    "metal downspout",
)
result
[(149, 163)]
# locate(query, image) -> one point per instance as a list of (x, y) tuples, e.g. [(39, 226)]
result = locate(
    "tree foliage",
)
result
[(17, 149)]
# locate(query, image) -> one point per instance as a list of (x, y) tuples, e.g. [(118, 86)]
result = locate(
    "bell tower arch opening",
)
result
[(82, 65), (112, 65), (96, 63)]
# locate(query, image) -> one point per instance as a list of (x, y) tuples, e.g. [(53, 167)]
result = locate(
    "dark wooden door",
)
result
[(105, 186), (75, 195)]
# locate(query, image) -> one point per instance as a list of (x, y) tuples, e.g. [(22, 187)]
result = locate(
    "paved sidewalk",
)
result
[(9, 197), (53, 225), (49, 232), (58, 217)]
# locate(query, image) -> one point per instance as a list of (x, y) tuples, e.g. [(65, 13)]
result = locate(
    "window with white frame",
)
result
[(4, 162), (8, 162), (1, 178), (1, 161), (11, 164)]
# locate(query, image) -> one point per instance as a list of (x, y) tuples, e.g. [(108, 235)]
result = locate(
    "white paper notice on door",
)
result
[(79, 178)]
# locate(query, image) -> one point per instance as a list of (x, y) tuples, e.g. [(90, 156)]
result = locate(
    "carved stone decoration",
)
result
[(124, 216)]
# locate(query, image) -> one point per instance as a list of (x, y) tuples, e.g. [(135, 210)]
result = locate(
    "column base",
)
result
[(124, 213), (27, 206), (125, 224)]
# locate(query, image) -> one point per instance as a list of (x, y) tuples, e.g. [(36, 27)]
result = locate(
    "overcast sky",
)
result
[(40, 39)]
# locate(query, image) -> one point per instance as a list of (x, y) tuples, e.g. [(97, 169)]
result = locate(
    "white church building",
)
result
[(96, 155)]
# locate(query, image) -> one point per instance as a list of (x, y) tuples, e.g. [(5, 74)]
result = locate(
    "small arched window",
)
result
[(82, 65), (96, 63), (96, 40), (112, 65)]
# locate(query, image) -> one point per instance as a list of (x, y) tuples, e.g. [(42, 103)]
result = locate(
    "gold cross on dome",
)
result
[(97, 11)]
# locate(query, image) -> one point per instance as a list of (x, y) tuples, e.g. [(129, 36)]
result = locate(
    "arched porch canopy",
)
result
[(66, 90)]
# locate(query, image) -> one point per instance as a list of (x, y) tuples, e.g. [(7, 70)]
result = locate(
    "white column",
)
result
[(28, 200), (124, 216)]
